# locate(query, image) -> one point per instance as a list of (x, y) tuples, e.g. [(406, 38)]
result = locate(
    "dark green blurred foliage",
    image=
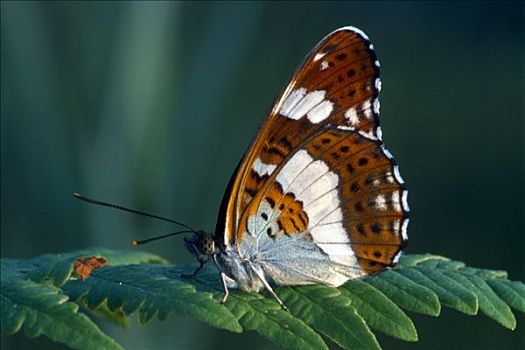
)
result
[(151, 105)]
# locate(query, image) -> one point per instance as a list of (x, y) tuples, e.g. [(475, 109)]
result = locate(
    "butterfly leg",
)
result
[(267, 285), (224, 280), (194, 273), (225, 288)]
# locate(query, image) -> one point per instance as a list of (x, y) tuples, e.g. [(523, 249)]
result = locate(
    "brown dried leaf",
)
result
[(84, 266)]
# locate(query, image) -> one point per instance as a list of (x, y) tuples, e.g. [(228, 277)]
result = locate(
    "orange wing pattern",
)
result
[(318, 165)]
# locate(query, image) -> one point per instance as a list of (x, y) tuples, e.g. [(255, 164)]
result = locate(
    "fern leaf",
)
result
[(143, 288), (346, 315), (378, 311), (44, 310), (57, 268), (406, 293), (489, 303), (449, 292), (330, 313), (264, 316), (511, 292)]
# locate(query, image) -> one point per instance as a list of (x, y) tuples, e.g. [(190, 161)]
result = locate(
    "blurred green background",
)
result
[(151, 105)]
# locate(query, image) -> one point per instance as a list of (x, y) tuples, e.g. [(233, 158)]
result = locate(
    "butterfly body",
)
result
[(317, 198)]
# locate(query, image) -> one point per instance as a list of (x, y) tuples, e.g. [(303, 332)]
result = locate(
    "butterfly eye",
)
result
[(206, 245)]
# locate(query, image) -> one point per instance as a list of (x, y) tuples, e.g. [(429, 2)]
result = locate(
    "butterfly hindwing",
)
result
[(342, 191)]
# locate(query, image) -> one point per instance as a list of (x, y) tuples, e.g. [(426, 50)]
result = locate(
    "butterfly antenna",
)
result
[(135, 242), (119, 207)]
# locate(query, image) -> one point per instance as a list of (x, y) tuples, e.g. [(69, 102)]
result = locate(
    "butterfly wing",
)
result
[(318, 167)]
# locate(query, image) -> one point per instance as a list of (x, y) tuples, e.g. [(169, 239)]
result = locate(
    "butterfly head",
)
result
[(201, 244)]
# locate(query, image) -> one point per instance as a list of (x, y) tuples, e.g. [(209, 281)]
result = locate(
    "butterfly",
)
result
[(317, 198)]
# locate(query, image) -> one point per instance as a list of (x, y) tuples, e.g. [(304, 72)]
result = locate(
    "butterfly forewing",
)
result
[(318, 167)]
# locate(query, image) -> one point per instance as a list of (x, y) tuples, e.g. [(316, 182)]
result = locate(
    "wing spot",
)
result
[(376, 228), (376, 155), (303, 221), (297, 229), (255, 176), (344, 149), (281, 206), (358, 207), (350, 168), (329, 48), (277, 151), (377, 254), (264, 216), (361, 229), (341, 57), (318, 56), (363, 161), (284, 141), (270, 201), (350, 73), (269, 232), (326, 141), (354, 187), (335, 155)]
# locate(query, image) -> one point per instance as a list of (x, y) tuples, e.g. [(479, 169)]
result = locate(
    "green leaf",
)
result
[(263, 315), (143, 288), (441, 264), (44, 310), (257, 313), (489, 303), (117, 316), (511, 292), (378, 311), (345, 315), (57, 268), (484, 273), (416, 259), (450, 293), (405, 293), (330, 313)]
